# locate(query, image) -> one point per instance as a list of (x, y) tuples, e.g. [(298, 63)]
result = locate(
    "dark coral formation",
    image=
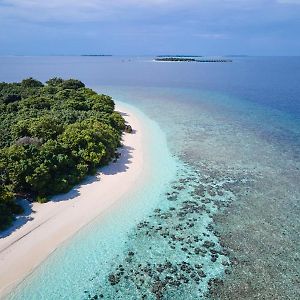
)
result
[(175, 252)]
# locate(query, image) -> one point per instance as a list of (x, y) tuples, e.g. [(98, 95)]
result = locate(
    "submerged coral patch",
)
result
[(175, 252)]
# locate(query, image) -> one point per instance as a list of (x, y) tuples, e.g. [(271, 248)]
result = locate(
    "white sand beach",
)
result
[(37, 234)]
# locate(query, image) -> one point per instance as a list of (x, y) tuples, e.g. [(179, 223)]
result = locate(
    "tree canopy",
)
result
[(51, 136)]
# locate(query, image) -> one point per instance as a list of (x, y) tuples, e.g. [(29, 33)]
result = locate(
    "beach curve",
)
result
[(49, 225)]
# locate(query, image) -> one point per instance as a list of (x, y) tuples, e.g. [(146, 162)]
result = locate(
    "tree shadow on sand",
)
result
[(20, 220), (123, 114), (121, 165)]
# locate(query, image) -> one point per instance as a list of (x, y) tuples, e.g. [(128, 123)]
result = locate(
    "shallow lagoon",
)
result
[(230, 210)]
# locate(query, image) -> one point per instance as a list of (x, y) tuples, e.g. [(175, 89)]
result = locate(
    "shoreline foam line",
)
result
[(52, 223)]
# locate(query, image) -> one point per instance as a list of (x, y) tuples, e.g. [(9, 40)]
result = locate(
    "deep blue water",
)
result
[(271, 81), (234, 131)]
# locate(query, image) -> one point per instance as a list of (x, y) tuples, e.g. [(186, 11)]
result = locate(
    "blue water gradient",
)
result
[(67, 273), (219, 213)]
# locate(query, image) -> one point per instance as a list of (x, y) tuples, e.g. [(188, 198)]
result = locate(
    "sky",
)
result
[(149, 27)]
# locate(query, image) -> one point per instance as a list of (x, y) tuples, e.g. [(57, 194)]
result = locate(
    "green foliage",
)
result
[(117, 121), (11, 98), (51, 137), (55, 81), (72, 84), (8, 207), (41, 199), (30, 83)]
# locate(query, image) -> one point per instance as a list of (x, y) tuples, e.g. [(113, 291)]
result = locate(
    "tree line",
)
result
[(51, 136)]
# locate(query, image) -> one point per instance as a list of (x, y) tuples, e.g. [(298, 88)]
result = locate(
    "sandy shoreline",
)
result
[(48, 225)]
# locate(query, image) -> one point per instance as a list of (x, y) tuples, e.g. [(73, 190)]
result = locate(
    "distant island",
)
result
[(190, 59), (96, 55), (51, 136), (179, 56)]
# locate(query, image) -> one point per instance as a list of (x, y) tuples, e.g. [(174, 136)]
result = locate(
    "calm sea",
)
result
[(224, 215)]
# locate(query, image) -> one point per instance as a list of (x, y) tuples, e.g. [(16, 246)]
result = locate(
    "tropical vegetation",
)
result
[(51, 136)]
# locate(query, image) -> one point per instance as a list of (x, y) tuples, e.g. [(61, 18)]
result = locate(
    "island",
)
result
[(179, 56), (101, 55), (51, 137), (191, 59)]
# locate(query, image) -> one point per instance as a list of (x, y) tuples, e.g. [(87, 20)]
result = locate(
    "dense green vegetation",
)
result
[(51, 137)]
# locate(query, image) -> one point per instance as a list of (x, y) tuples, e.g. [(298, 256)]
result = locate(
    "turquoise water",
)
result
[(217, 215), (248, 155), (159, 240), (68, 272)]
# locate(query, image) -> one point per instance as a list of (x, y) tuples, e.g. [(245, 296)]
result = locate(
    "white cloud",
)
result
[(81, 10), (99, 5), (110, 10)]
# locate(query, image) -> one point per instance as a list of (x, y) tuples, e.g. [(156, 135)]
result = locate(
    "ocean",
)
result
[(222, 213)]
